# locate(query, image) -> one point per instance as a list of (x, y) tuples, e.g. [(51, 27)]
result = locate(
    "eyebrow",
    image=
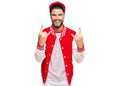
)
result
[(55, 14)]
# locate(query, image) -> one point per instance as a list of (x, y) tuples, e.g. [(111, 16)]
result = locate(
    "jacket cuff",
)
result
[(81, 49), (40, 47)]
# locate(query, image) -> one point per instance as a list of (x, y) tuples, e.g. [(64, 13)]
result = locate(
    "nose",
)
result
[(57, 17)]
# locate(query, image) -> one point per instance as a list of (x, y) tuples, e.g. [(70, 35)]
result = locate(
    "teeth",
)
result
[(56, 22)]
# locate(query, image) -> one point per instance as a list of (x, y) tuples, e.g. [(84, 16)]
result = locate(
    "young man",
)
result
[(55, 47)]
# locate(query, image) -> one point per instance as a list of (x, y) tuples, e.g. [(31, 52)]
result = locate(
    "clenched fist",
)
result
[(42, 37), (79, 39)]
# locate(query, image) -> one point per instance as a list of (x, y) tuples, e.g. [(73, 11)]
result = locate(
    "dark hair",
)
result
[(57, 6)]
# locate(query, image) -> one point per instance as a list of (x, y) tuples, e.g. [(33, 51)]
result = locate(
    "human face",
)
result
[(57, 17)]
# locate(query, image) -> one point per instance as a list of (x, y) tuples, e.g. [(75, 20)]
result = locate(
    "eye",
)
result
[(60, 14), (53, 15)]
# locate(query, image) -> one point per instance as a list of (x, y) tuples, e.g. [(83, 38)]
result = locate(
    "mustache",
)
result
[(56, 20), (57, 27)]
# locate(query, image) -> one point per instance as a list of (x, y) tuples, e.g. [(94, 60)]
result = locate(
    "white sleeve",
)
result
[(39, 55), (78, 56)]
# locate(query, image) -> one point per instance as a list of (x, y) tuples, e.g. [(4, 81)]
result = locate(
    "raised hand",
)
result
[(42, 37), (79, 39)]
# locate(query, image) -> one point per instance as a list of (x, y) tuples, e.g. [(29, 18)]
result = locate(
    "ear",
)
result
[(64, 15), (50, 16)]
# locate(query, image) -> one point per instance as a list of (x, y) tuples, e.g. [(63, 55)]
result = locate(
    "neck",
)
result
[(58, 29)]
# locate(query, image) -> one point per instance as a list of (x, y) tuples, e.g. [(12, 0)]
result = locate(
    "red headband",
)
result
[(57, 3)]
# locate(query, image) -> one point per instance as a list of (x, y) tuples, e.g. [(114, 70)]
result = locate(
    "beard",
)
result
[(57, 26)]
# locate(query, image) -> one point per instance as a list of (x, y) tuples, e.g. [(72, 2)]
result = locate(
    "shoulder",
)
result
[(70, 30), (46, 29)]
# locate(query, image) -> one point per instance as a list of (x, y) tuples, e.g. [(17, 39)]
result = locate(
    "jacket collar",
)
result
[(62, 32)]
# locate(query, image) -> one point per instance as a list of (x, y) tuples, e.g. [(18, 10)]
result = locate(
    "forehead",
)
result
[(57, 11)]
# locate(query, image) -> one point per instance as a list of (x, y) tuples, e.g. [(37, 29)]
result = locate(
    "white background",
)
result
[(20, 21)]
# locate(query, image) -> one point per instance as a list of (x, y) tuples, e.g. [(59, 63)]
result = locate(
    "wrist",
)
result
[(40, 46), (80, 48)]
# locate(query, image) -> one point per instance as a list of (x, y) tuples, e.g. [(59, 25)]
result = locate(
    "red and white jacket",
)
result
[(66, 46)]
